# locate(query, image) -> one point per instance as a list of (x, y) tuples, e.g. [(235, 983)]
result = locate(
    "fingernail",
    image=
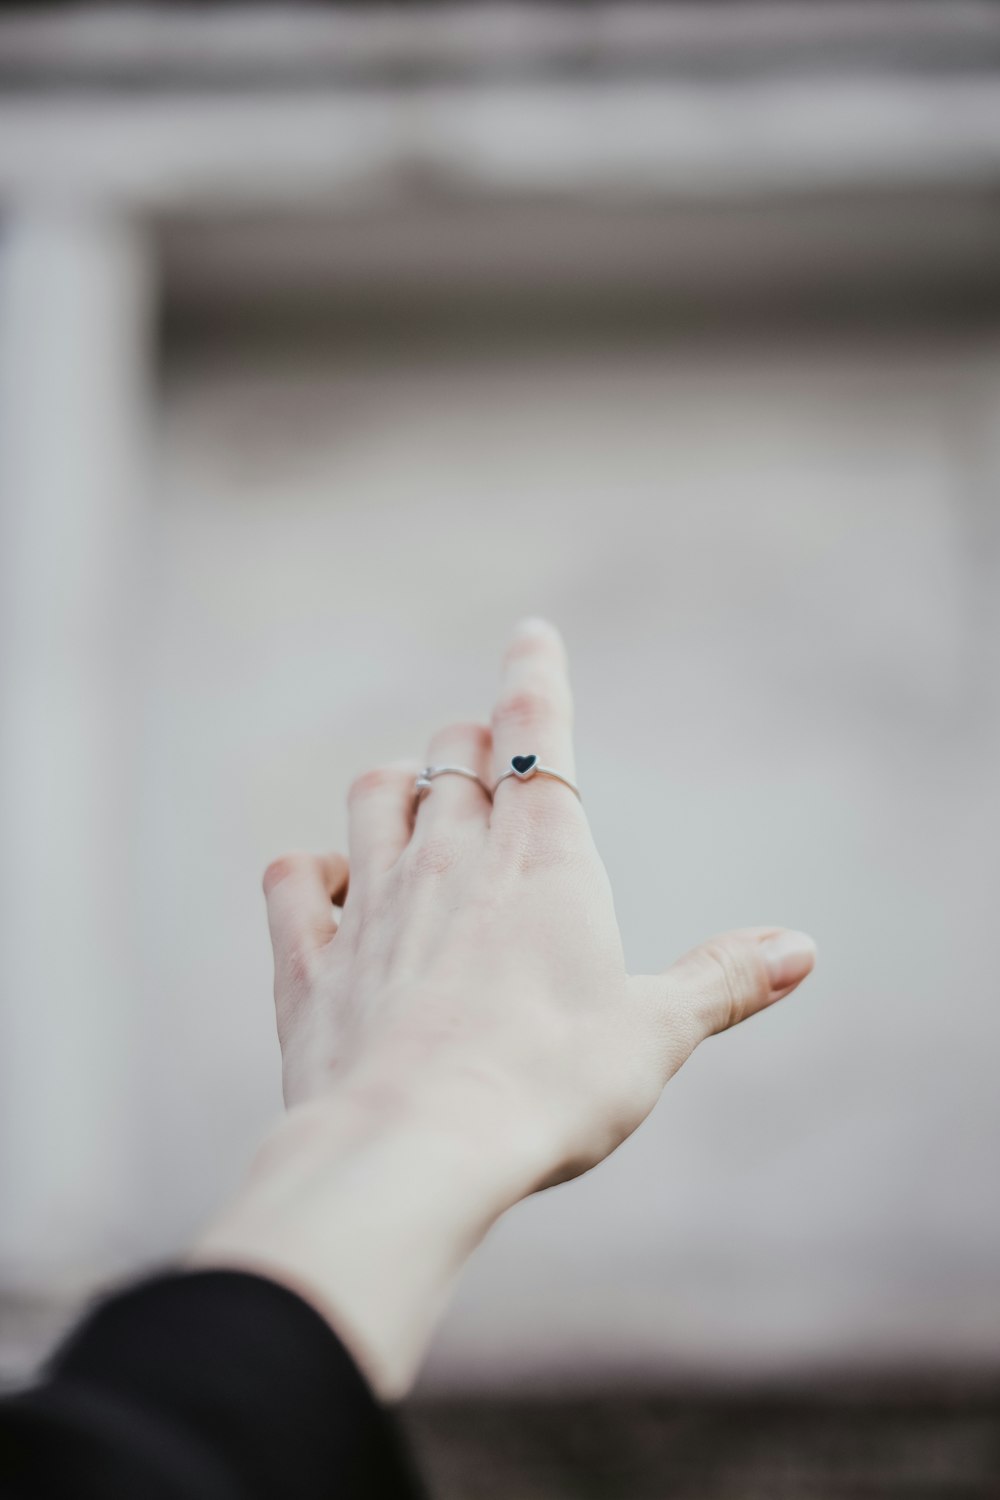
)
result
[(789, 956)]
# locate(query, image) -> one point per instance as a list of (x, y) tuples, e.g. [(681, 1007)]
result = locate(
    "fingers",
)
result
[(533, 715), (301, 890), (380, 808), (726, 980), (454, 801)]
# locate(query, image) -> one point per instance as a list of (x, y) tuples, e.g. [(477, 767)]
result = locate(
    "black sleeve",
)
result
[(213, 1385)]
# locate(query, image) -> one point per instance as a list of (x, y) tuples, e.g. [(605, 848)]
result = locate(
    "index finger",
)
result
[(534, 709)]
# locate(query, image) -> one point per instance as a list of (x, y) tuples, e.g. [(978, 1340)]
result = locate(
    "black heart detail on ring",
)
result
[(524, 764)]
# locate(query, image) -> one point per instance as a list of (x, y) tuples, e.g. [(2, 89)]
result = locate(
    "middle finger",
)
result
[(534, 712)]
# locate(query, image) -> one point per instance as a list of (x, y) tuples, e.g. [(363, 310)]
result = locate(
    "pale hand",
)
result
[(468, 1033)]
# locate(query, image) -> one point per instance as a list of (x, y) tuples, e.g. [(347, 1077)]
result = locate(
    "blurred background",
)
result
[(334, 339)]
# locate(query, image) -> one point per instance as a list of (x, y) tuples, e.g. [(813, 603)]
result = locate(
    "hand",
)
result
[(468, 1032)]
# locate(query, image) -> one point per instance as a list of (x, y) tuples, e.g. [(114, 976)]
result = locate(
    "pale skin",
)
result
[(458, 1028)]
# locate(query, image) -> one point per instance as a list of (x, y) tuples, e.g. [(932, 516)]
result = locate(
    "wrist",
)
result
[(368, 1212)]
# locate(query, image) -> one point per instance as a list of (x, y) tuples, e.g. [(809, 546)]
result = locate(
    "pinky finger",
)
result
[(301, 891)]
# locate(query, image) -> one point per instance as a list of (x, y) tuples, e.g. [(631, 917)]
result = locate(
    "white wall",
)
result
[(776, 567)]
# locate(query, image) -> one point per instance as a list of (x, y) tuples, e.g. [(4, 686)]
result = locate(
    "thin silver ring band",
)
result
[(535, 770), (428, 774)]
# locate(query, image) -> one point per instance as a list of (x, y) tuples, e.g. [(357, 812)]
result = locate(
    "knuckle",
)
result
[(299, 966), (291, 991), (525, 709), (547, 842), (279, 869), (371, 783), (433, 857), (465, 734), (732, 983)]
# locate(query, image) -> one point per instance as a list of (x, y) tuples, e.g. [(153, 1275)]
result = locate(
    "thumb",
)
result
[(727, 979)]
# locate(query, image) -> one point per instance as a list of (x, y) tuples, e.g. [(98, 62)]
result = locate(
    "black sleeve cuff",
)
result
[(208, 1384)]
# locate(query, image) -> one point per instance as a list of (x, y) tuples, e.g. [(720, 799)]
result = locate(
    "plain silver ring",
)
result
[(523, 767), (429, 773)]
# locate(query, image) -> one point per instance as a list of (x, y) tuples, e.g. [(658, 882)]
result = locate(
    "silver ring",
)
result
[(523, 767), (429, 773)]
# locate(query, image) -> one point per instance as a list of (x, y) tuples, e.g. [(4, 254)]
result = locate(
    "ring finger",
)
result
[(452, 798)]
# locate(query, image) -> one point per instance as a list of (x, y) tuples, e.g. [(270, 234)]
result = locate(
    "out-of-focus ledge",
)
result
[(425, 270), (865, 1440), (125, 46), (584, 141)]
